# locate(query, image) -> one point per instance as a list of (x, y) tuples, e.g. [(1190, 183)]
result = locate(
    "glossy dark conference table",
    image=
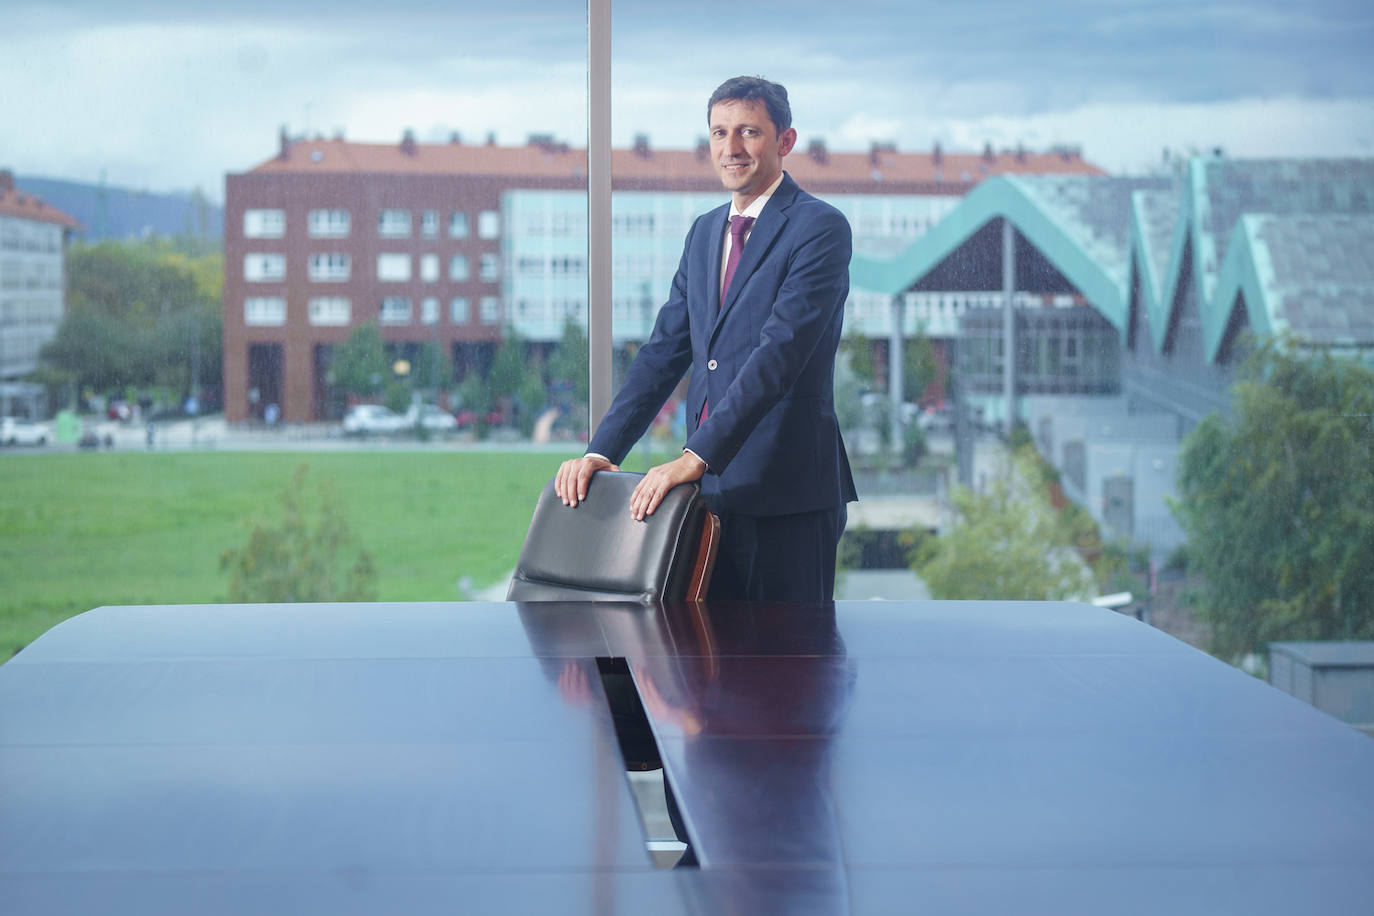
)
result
[(860, 757)]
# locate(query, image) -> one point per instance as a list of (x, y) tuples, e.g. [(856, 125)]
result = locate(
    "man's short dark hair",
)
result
[(751, 89)]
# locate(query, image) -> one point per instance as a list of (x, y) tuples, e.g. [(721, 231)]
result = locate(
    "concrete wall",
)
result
[(1111, 443)]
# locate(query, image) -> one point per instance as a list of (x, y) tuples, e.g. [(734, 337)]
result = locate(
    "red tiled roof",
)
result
[(667, 166), (14, 202)]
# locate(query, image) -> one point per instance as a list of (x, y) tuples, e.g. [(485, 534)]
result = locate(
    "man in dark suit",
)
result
[(755, 312)]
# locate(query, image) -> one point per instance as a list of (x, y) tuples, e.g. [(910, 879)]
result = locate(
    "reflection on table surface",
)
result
[(847, 757)]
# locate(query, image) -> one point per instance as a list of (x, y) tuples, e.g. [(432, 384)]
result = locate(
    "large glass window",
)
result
[(228, 252), (440, 140)]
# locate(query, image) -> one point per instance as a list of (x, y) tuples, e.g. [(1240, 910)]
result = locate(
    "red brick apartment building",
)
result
[(329, 235)]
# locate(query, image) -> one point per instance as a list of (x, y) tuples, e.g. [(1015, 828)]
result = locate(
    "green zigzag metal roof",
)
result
[(1079, 223), (1066, 218), (1217, 196), (1265, 259), (1158, 238)]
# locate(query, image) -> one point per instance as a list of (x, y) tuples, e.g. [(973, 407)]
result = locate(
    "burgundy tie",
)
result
[(739, 226)]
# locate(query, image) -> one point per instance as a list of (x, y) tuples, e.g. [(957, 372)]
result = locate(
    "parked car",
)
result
[(936, 420), (371, 419), (23, 431), (431, 417), (467, 418)]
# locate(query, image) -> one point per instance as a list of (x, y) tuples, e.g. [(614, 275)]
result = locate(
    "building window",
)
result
[(490, 309), (566, 224), (634, 224), (429, 310), (329, 267), (458, 224), (429, 224), (264, 311), (393, 224), (393, 268), (489, 224), (335, 311), (491, 267), (264, 224), (429, 267), (458, 267), (261, 268), (329, 224), (395, 310), (576, 267), (458, 310)]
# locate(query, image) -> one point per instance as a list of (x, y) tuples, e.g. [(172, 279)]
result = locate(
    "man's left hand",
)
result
[(662, 478)]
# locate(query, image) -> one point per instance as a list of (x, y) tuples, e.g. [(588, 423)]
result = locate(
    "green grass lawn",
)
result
[(82, 530)]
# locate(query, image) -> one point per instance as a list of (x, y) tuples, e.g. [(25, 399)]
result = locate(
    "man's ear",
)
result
[(786, 140)]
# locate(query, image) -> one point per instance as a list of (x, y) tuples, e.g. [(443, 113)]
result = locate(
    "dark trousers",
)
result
[(777, 557)]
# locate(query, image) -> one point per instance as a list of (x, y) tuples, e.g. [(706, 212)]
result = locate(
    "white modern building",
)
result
[(33, 244)]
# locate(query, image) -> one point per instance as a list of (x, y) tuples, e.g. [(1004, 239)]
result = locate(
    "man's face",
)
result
[(746, 147)]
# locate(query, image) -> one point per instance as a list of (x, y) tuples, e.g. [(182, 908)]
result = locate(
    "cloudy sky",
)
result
[(167, 96)]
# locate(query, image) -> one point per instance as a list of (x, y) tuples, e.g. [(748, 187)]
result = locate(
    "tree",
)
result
[(849, 387), (360, 365), (860, 353), (433, 368), (473, 395), (568, 362), (1007, 543), (140, 314), (299, 560), (531, 400), (516, 383), (568, 376), (508, 367), (920, 367), (94, 348), (1276, 503)]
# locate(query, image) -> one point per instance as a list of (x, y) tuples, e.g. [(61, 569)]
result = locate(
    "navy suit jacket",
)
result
[(764, 359)]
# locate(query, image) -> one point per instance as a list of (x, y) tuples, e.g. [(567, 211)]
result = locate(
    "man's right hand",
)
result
[(574, 474)]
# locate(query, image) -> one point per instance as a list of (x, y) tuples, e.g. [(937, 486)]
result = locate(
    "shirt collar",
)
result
[(755, 208)]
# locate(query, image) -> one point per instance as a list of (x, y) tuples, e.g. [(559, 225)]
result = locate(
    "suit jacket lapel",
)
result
[(714, 265)]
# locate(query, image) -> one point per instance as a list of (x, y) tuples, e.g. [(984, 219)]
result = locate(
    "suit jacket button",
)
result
[(711, 365)]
